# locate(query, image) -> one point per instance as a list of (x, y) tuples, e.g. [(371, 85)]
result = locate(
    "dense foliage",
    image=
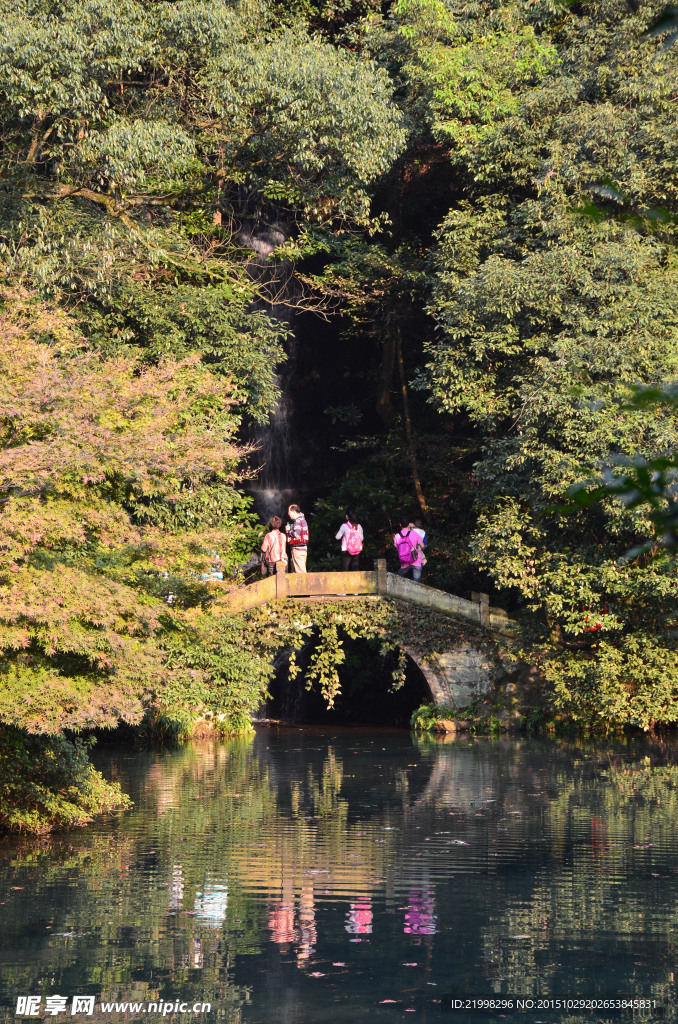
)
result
[(550, 296), (152, 155), (84, 442), (48, 781), (547, 320)]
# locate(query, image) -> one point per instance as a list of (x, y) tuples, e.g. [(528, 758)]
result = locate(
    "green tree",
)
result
[(48, 781), (139, 129), (154, 157), (649, 484), (547, 320), (82, 441)]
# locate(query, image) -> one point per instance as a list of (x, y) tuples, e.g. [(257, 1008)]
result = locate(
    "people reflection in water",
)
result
[(289, 928), (359, 918), (211, 904), (308, 933), (420, 917), (281, 923)]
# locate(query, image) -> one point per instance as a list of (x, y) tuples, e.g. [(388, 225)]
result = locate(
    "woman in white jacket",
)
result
[(350, 534)]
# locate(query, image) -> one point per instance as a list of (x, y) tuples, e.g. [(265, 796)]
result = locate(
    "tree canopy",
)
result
[(547, 319)]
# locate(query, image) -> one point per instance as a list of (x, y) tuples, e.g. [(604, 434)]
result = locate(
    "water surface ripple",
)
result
[(336, 876)]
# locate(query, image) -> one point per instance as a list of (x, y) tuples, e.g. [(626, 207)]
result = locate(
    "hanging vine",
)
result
[(287, 625)]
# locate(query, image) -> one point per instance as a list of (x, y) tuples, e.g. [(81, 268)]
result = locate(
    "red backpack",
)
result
[(299, 539)]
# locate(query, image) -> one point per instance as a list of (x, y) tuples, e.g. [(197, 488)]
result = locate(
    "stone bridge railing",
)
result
[(378, 583)]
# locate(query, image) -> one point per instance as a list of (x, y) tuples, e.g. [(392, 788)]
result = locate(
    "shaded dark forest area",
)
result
[(431, 242)]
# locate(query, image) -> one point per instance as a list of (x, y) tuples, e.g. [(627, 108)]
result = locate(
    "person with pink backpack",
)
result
[(407, 543), (351, 536)]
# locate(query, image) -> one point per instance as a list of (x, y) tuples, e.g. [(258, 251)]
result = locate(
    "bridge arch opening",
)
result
[(367, 696)]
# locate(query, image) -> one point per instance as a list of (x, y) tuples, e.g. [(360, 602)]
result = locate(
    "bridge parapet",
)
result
[(402, 589), (379, 583), (303, 584)]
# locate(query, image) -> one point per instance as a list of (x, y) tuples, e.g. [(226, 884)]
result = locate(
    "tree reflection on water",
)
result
[(489, 866)]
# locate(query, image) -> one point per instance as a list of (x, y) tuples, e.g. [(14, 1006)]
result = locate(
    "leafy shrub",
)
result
[(427, 717), (49, 782)]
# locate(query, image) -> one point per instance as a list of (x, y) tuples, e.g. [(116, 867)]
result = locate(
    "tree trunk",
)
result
[(385, 410), (216, 213), (407, 420)]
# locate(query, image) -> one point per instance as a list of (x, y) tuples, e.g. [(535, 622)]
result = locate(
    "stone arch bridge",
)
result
[(456, 677)]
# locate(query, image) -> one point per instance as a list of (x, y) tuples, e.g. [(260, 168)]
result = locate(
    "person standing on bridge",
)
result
[(297, 538), (351, 536), (418, 526), (407, 544), (273, 547), (419, 557)]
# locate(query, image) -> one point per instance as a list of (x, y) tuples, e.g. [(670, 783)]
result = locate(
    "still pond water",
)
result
[(336, 876)]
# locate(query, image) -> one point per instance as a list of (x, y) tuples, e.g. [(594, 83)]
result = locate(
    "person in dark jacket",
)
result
[(297, 538)]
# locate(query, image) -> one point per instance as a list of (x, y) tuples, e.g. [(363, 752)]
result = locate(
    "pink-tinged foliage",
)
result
[(83, 443), (69, 422)]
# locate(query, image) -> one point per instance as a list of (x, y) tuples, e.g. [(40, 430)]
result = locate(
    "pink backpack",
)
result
[(404, 548), (354, 545)]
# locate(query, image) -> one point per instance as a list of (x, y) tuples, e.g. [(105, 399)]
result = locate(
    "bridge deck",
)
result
[(380, 583)]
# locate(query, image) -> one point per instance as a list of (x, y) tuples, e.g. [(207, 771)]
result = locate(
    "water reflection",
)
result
[(307, 876)]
